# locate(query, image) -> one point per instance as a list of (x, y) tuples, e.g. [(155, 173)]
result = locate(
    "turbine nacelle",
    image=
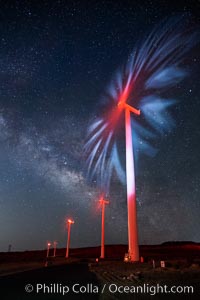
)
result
[(70, 221), (103, 201), (123, 105)]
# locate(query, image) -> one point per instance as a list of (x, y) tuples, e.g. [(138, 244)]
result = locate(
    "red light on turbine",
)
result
[(70, 221), (121, 104), (103, 201)]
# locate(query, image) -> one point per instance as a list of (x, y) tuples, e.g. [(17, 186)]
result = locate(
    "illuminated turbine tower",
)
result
[(48, 247), (54, 248), (69, 223), (103, 202), (133, 247)]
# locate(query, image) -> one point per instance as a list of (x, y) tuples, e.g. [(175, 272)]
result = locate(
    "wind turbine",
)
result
[(153, 67), (48, 248), (54, 248), (69, 223), (133, 248), (103, 202)]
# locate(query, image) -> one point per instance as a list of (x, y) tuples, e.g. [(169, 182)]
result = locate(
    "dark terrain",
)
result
[(182, 267)]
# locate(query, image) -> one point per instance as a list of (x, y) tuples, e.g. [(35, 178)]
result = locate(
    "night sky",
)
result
[(56, 59)]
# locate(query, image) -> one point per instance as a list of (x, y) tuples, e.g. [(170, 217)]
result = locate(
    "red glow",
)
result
[(126, 92), (124, 97), (103, 201), (123, 105), (70, 221), (48, 244)]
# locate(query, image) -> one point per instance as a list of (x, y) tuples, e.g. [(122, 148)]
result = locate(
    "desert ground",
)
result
[(114, 278)]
